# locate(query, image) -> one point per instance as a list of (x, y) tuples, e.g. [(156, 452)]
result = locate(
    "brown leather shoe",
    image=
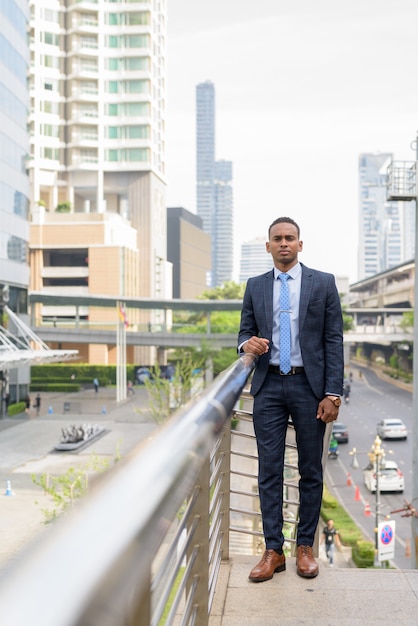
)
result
[(306, 565), (270, 563)]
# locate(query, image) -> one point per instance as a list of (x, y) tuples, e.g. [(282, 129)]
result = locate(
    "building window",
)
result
[(51, 38), (128, 132), (50, 130), (51, 154), (129, 64), (130, 155), (128, 41), (17, 249), (131, 109)]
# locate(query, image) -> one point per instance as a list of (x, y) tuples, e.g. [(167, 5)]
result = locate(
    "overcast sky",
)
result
[(302, 88)]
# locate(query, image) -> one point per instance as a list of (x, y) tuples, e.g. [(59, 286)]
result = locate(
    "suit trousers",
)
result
[(279, 398)]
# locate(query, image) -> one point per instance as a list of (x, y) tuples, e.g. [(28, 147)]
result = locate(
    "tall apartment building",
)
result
[(14, 182), (214, 195), (385, 228), (254, 259), (97, 89)]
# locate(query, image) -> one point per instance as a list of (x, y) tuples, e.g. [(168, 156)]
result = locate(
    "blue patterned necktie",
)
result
[(285, 342)]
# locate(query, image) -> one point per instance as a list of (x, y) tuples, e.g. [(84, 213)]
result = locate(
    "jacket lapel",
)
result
[(305, 293), (268, 300)]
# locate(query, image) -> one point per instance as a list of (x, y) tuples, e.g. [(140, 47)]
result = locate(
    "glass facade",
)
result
[(214, 197), (14, 143), (14, 180)]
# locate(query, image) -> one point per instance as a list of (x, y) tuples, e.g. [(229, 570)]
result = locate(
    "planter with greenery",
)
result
[(349, 532)]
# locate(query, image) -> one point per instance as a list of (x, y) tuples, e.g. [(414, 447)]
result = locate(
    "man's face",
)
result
[(284, 245)]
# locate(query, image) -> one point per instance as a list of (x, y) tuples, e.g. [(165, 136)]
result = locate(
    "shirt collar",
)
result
[(293, 272)]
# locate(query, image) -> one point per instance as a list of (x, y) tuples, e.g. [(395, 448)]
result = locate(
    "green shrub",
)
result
[(63, 207), (234, 423), (363, 554), (82, 371), (15, 409), (50, 386), (61, 373)]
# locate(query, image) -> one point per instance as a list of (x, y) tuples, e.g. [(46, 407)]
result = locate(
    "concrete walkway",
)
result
[(27, 449), (347, 596)]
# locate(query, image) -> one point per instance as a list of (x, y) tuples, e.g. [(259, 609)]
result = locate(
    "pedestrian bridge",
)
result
[(377, 325), (169, 337), (151, 545)]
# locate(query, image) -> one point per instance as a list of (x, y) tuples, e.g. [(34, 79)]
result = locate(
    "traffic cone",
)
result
[(407, 548), (367, 510), (8, 491), (349, 481), (357, 494)]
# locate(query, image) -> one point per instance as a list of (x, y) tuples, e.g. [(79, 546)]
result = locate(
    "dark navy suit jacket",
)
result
[(320, 328)]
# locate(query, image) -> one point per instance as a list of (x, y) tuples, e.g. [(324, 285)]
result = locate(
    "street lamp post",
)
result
[(376, 456)]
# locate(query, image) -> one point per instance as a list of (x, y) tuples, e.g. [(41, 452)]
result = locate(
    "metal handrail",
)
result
[(96, 565)]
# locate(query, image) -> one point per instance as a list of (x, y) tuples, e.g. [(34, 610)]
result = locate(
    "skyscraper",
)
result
[(98, 115), (213, 187), (385, 227), (97, 88)]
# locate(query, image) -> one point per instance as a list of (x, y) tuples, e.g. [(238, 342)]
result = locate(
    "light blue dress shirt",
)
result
[(294, 284)]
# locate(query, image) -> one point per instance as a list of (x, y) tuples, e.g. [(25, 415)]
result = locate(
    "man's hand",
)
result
[(256, 345), (327, 411)]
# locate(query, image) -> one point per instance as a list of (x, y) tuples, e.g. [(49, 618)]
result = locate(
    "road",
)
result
[(373, 399)]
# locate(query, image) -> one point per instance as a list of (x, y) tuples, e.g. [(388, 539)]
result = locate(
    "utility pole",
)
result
[(414, 520), (402, 186)]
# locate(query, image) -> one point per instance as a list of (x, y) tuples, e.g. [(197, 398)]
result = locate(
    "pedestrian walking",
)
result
[(37, 404), (27, 404), (6, 403), (96, 385), (131, 389), (331, 537)]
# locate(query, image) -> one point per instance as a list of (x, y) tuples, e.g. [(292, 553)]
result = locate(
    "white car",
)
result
[(392, 428), (390, 478)]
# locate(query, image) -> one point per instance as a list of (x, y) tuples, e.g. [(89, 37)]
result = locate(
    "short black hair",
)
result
[(288, 220)]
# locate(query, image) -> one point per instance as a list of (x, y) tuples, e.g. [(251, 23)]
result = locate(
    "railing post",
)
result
[(225, 451), (200, 568)]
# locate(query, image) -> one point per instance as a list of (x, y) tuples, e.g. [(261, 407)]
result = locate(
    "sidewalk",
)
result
[(27, 448)]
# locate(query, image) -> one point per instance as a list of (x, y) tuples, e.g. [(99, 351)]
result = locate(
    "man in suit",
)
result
[(305, 384)]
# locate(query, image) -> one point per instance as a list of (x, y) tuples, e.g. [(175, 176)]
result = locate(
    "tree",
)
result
[(166, 394), (407, 320), (229, 291), (225, 322)]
